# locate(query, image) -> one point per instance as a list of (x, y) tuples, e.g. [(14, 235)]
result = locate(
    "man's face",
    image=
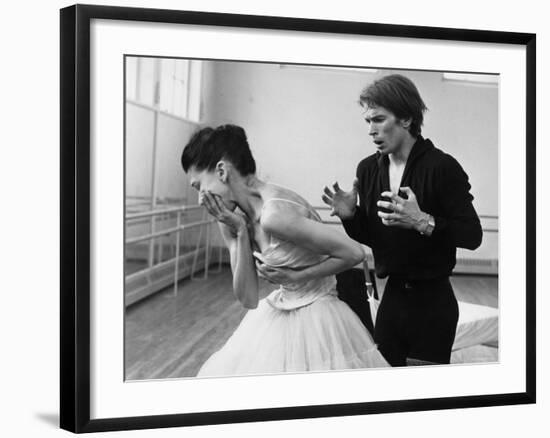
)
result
[(388, 132)]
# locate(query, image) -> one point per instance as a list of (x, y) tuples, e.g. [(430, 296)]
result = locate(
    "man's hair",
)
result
[(208, 146), (399, 95)]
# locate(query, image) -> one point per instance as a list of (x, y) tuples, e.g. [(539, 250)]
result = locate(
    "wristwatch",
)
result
[(430, 225)]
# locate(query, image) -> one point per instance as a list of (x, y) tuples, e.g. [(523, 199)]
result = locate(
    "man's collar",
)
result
[(420, 146)]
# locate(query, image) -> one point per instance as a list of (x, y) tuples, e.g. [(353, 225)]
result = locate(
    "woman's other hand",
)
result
[(277, 275)]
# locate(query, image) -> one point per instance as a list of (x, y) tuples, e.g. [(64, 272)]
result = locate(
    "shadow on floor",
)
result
[(49, 418)]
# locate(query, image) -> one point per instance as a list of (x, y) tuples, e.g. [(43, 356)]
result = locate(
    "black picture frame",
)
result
[(75, 216)]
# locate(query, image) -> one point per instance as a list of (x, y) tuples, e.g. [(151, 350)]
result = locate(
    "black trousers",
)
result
[(416, 320)]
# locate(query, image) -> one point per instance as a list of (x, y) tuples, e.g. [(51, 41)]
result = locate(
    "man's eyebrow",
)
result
[(375, 116)]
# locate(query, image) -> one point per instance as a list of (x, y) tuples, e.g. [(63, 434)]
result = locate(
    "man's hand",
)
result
[(405, 213), (342, 203)]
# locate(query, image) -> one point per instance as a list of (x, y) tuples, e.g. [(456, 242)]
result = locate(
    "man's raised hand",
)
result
[(342, 203)]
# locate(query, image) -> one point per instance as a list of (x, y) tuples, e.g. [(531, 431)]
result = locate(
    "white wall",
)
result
[(305, 126), (307, 121)]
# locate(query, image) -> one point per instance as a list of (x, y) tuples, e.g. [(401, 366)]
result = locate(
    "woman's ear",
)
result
[(222, 171)]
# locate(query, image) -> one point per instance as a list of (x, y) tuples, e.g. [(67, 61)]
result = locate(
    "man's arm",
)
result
[(456, 221), (459, 221), (356, 226)]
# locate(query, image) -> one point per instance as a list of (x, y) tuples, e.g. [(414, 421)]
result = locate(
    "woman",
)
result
[(273, 232)]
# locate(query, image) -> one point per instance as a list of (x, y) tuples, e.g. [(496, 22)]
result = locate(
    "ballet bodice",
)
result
[(285, 254)]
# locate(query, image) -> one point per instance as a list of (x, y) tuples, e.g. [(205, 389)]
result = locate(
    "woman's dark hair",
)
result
[(399, 95), (208, 146)]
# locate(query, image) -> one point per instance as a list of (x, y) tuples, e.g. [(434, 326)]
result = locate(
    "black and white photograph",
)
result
[(275, 218), (286, 218)]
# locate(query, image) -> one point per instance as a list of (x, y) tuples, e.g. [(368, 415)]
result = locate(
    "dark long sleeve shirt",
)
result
[(442, 189)]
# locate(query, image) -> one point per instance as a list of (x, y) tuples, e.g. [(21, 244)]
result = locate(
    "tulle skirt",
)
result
[(324, 335)]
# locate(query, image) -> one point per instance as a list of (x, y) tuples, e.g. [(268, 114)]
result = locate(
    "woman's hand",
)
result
[(277, 275), (216, 207)]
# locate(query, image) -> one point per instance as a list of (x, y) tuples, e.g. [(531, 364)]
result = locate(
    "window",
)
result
[(328, 68), (170, 85), (471, 78)]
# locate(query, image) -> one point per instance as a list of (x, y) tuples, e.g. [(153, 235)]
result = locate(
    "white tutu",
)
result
[(298, 327), (324, 335)]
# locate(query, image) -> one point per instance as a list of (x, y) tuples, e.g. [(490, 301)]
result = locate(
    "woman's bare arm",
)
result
[(343, 253), (235, 233)]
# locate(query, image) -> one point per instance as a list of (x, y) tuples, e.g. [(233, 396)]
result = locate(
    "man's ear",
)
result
[(406, 123), (222, 170)]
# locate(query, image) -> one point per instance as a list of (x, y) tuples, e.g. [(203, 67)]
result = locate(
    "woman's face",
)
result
[(213, 181)]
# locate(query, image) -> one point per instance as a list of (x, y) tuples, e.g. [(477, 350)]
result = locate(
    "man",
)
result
[(415, 209)]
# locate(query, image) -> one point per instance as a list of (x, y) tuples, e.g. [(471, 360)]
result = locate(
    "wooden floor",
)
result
[(169, 336)]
